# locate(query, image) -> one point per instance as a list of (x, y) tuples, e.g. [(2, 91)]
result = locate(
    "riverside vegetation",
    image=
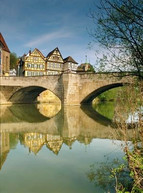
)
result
[(127, 114)]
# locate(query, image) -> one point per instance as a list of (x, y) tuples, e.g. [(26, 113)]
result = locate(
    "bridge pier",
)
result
[(70, 89)]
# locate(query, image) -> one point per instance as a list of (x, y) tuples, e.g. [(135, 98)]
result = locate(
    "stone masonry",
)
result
[(71, 89)]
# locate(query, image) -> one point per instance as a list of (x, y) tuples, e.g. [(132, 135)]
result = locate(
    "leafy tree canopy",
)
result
[(119, 29), (13, 60)]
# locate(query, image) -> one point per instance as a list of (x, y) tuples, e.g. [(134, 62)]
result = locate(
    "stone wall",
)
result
[(5, 62)]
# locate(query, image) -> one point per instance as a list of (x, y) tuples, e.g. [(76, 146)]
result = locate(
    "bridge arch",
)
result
[(27, 94), (95, 93)]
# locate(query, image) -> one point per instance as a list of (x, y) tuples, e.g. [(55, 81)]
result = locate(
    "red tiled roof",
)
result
[(5, 47)]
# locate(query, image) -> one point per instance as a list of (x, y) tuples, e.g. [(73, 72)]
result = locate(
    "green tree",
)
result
[(13, 60), (119, 29)]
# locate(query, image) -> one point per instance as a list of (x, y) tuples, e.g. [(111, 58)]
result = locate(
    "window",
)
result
[(40, 73), (36, 73), (35, 59), (28, 65), (28, 73)]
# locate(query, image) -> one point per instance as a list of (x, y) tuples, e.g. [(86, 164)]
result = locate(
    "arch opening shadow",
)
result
[(27, 94), (89, 98)]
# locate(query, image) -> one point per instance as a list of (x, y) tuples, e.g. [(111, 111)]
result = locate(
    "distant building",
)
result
[(35, 64), (12, 72), (4, 57), (70, 65), (85, 67)]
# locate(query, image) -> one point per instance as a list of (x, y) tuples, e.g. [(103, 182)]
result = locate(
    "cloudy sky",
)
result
[(46, 24)]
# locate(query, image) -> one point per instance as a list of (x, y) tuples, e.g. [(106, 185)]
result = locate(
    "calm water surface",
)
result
[(47, 149)]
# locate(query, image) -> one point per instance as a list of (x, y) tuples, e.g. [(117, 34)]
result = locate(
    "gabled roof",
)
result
[(5, 47), (55, 146), (70, 59), (50, 53), (39, 52)]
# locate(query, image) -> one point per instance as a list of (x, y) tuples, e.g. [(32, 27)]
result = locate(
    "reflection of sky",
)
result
[(46, 24), (47, 172), (136, 116)]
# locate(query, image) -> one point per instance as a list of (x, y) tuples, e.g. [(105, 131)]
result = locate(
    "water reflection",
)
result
[(4, 147), (26, 124), (49, 110), (98, 116)]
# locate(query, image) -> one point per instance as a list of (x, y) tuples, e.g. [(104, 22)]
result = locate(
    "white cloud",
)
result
[(48, 37)]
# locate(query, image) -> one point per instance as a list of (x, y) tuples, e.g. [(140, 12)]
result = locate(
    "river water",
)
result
[(46, 148)]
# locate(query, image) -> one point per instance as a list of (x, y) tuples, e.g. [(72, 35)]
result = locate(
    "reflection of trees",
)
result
[(101, 174), (119, 105), (105, 108), (106, 102), (92, 113), (13, 140)]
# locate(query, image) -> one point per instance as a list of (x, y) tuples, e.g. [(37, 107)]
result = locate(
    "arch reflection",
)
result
[(49, 110), (69, 125), (28, 112)]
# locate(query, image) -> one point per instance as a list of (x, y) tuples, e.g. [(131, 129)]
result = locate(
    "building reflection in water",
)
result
[(69, 124), (34, 141)]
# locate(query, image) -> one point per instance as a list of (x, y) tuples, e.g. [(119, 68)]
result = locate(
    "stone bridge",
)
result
[(71, 89)]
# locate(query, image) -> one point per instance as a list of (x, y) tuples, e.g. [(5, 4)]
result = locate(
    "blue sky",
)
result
[(46, 24)]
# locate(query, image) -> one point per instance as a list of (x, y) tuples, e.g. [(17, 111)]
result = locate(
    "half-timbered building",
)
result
[(54, 62), (32, 64), (35, 64)]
